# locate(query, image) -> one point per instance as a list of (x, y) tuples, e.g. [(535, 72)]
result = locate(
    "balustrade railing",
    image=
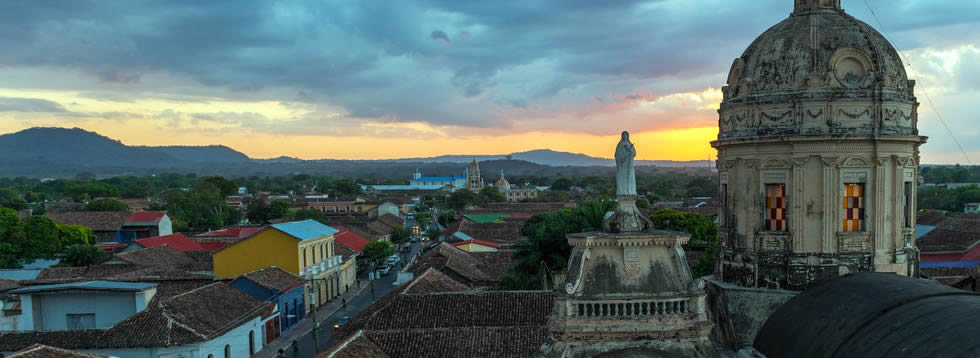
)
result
[(630, 308)]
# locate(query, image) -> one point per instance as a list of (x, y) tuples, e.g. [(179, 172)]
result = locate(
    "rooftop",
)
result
[(95, 220), (351, 240), (176, 241), (88, 285), (305, 230), (145, 217), (273, 278), (43, 351)]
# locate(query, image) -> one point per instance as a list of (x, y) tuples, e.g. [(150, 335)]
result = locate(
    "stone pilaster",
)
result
[(798, 200), (830, 202)]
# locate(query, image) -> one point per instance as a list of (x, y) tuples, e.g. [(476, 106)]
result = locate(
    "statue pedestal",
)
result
[(630, 292), (627, 217)]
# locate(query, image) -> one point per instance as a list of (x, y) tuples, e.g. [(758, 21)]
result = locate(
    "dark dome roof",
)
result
[(874, 315), (814, 49)]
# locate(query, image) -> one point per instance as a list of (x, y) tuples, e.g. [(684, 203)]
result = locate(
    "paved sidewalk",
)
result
[(304, 327)]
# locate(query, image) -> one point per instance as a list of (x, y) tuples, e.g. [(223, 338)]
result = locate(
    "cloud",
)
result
[(13, 104), (439, 35), (367, 67)]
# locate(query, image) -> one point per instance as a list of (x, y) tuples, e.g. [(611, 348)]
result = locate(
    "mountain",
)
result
[(65, 152), (206, 154), (555, 159)]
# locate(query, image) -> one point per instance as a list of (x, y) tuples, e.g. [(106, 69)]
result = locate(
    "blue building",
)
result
[(276, 285), (456, 181)]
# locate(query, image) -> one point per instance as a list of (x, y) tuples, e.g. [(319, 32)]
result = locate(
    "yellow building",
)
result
[(477, 246), (304, 248)]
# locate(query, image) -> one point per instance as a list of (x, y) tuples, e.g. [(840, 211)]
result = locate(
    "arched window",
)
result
[(251, 342), (304, 257), (227, 351), (210, 355)]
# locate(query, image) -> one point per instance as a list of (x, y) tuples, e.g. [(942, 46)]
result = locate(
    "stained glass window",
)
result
[(854, 207), (775, 207)]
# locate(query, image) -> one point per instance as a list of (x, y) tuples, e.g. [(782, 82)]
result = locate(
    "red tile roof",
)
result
[(478, 242), (351, 240), (176, 241), (145, 217), (95, 220), (238, 231)]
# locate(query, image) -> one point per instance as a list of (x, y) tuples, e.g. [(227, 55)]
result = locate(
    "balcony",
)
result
[(324, 267)]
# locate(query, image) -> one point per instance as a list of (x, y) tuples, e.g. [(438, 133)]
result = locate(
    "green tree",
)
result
[(42, 238), (491, 194), (593, 212), (702, 186), (257, 211), (461, 199), (224, 186), (79, 255), (304, 214), (545, 247), (423, 219), (703, 232), (377, 251), (16, 204), (563, 184), (401, 235), (75, 235), (106, 205), (278, 209)]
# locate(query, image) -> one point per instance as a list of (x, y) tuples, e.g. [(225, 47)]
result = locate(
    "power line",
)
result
[(926, 93)]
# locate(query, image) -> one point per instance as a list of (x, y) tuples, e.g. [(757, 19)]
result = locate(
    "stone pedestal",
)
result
[(627, 217), (629, 292)]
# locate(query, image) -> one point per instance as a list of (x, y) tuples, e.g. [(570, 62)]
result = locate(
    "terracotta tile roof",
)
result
[(505, 233), (519, 208), (455, 324), (344, 252), (379, 228), (357, 346), (273, 278), (237, 232), (94, 272), (145, 217), (474, 269), (939, 240), (194, 316), (95, 220), (950, 276), (366, 233), (112, 248), (391, 220), (176, 241), (930, 219), (166, 257), (432, 281), (43, 351), (351, 240)]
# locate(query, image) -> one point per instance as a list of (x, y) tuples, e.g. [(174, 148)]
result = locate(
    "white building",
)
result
[(214, 321)]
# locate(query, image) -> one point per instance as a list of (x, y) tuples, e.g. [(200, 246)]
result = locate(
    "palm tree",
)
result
[(593, 212)]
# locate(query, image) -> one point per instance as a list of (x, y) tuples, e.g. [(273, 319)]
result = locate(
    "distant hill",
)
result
[(555, 159), (58, 152)]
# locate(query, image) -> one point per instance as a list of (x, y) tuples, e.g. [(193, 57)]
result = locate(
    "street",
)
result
[(360, 303)]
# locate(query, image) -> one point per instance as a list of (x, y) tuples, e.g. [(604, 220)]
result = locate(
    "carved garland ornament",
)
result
[(632, 269), (855, 115), (776, 118)]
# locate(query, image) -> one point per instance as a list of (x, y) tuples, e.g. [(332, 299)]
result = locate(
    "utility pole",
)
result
[(316, 324)]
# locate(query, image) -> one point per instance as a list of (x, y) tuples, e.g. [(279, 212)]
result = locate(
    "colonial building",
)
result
[(818, 152), (473, 179), (514, 193)]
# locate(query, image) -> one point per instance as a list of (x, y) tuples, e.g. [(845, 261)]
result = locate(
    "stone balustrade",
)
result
[(632, 308)]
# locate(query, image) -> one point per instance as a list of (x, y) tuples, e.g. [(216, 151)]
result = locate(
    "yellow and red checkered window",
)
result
[(776, 207), (853, 207)]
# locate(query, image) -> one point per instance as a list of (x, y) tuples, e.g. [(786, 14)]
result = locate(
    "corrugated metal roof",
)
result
[(462, 236), (922, 230), (88, 285), (485, 218), (20, 274), (305, 230), (402, 187), (439, 178)]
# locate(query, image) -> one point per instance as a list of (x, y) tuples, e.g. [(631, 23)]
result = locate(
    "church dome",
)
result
[(819, 53)]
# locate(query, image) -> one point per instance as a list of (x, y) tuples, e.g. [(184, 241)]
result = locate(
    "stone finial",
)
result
[(801, 6)]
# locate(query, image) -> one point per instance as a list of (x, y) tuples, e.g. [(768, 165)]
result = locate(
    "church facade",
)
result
[(818, 154)]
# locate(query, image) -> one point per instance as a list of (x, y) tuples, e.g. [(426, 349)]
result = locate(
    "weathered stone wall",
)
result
[(738, 313)]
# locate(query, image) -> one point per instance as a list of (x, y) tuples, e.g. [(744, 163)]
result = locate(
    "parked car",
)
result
[(394, 260), (342, 321), (386, 270)]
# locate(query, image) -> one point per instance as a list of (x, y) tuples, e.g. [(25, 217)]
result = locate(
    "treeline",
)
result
[(951, 174), (939, 198)]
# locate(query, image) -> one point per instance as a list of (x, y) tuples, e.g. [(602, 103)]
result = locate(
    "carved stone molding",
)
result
[(829, 161), (751, 163), (725, 164), (774, 163), (855, 162), (882, 161), (800, 162)]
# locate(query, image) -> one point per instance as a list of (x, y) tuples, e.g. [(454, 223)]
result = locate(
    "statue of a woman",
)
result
[(625, 172)]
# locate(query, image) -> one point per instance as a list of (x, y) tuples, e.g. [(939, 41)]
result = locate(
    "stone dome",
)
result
[(818, 53)]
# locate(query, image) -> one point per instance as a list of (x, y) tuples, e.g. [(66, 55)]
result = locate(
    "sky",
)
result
[(375, 79)]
